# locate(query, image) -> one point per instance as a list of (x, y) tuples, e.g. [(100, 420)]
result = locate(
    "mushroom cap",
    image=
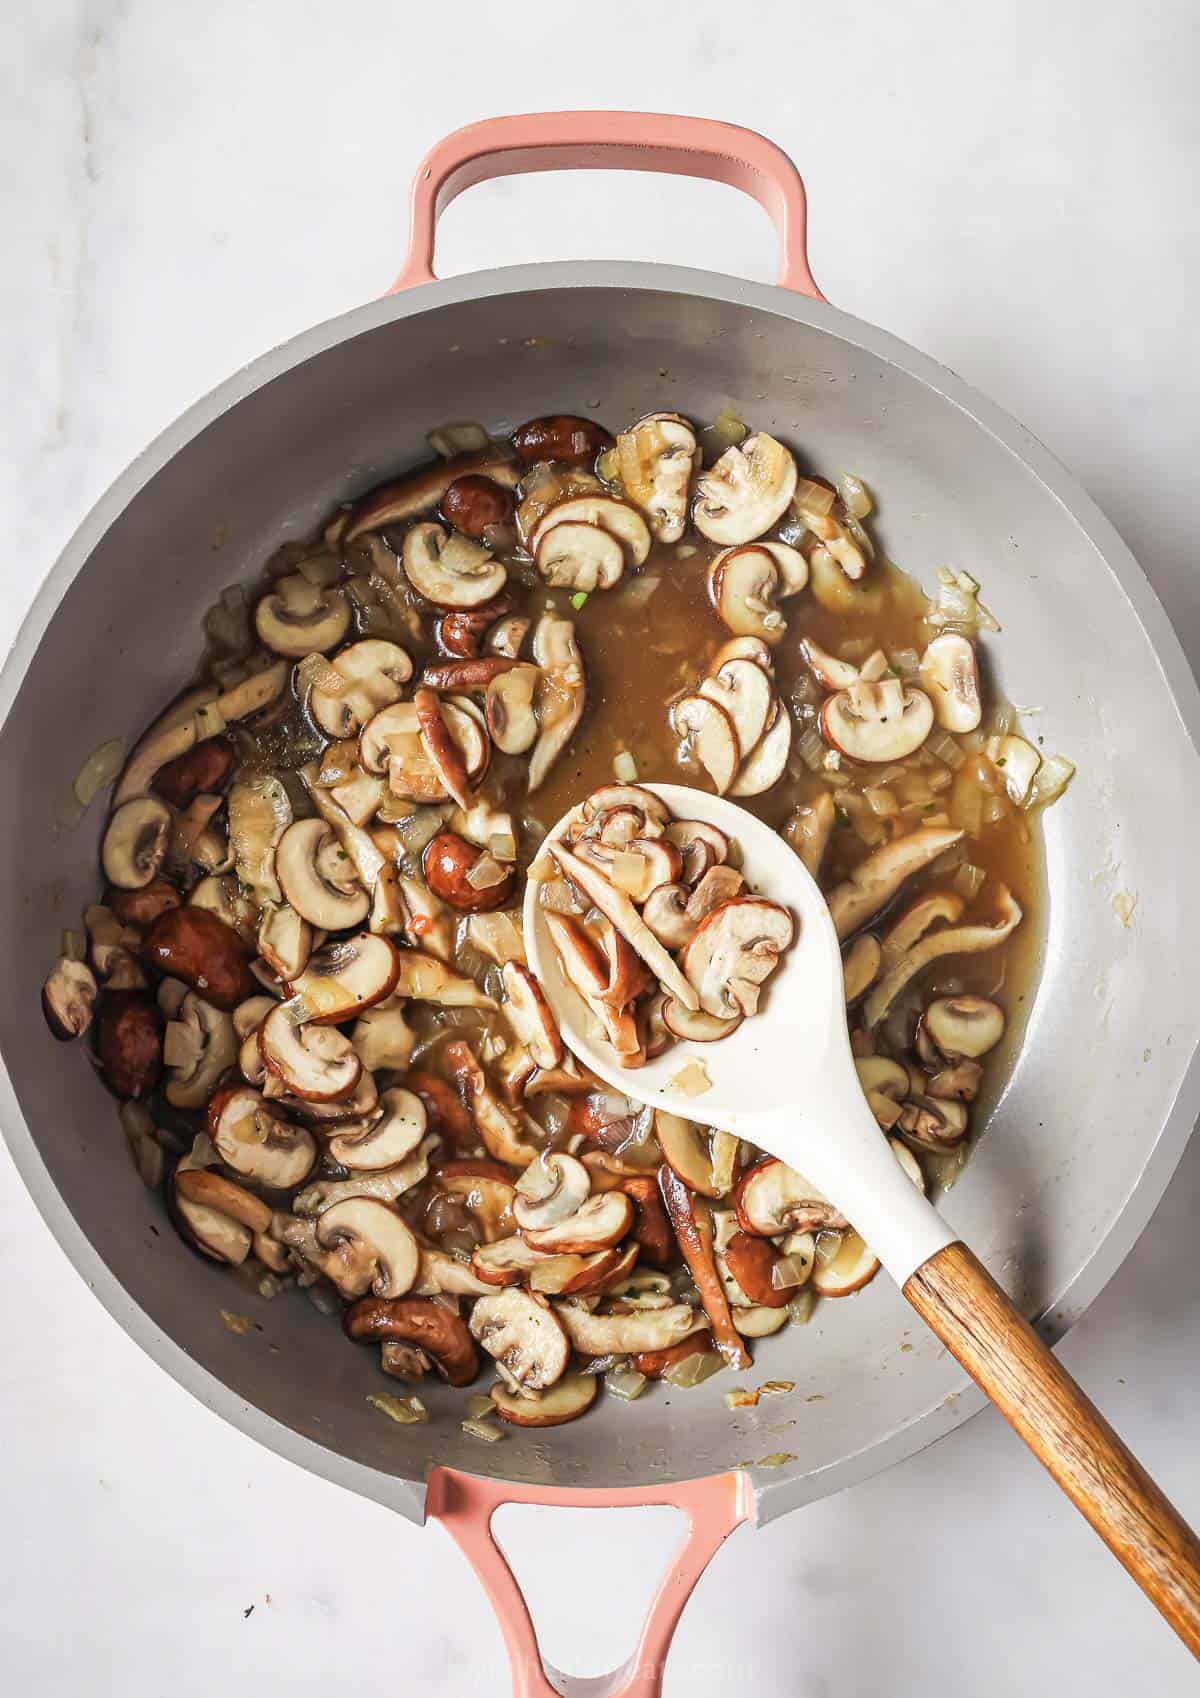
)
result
[(317, 1063), (616, 517), (950, 675), (442, 1335), (578, 556), (530, 1016), (743, 583), (374, 673), (550, 1191), (347, 977), (448, 569), (686, 1151), (744, 691), (570, 1398), (506, 1261), (964, 1026), (873, 883), (877, 722), (655, 461), (734, 950), (69, 998), (765, 765), (771, 1198), (136, 842), (298, 618), (746, 492), (696, 1026), (316, 876), (594, 1334), (208, 1048), (853, 1265), (370, 1248), (525, 1336), (382, 1036), (256, 1143)]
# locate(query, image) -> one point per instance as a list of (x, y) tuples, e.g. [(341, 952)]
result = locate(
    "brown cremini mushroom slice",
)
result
[(908, 928), (574, 555), (666, 913), (529, 1015), (485, 1190), (809, 829), (392, 743), (583, 1275), (620, 910), (764, 766), (885, 1084), (385, 1186), (853, 1265), (422, 489), (347, 977), (509, 709), (751, 1260), (570, 1398), (284, 941), (441, 747), (743, 583), (873, 883), (466, 674), (373, 674), (950, 677), (701, 845), (424, 978), (317, 877), (933, 1123), (746, 492), (734, 951), (384, 1142), (477, 505), (368, 1247), (507, 636), (449, 569), (695, 1026), (505, 1131), (877, 722), (860, 966), (964, 1026), (691, 1219), (216, 1217), (594, 1334), (257, 1144), (506, 1261), (772, 1198), (198, 715), (468, 878), (586, 970), (609, 796), (686, 1151), (298, 618), (136, 842), (69, 998), (598, 1223), (142, 907), (651, 1230), (524, 1335), (828, 670), (744, 692), (199, 1045), (745, 648), (361, 1104), (654, 1363), (621, 521), (428, 1326), (954, 940), (655, 461), (192, 944), (561, 694), (719, 884)]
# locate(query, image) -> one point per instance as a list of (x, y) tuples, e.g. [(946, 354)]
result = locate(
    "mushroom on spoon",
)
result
[(785, 1079)]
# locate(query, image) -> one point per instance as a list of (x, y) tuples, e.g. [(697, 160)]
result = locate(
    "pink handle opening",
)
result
[(627, 141), (465, 1505)]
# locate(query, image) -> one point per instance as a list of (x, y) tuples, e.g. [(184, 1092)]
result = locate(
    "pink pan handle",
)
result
[(626, 141), (465, 1504)]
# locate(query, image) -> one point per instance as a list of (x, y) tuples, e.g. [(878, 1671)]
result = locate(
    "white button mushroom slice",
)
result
[(771, 1198), (561, 694), (964, 1026), (507, 1133), (601, 1221), (1019, 761), (933, 1123), (550, 1190), (743, 690), (621, 911), (199, 1045), (877, 722), (373, 674), (449, 570), (860, 966), (746, 492), (385, 1187), (666, 913), (259, 814), (317, 877), (837, 593), (765, 765), (618, 518), (347, 977), (655, 461), (853, 1265), (387, 1141), (382, 1036), (595, 1334), (506, 1261), (686, 1151), (742, 585), (511, 720), (793, 567), (954, 940), (950, 676), (826, 668), (695, 1026), (284, 941), (368, 1248), (734, 950), (69, 998), (298, 618), (424, 978), (710, 735), (876, 880), (577, 556), (317, 1063), (136, 842), (529, 1015), (256, 1143), (572, 1397), (524, 1335)]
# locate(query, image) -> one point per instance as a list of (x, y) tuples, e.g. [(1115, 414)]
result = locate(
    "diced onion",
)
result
[(638, 591), (314, 672), (943, 745), (726, 431), (994, 810), (136, 1120), (628, 871), (557, 895), (486, 873), (881, 802), (479, 1405), (325, 1301), (99, 770), (828, 1245), (462, 437), (801, 1307), (771, 1388), (625, 1383), (692, 1080), (741, 1397), (694, 1370), (968, 881), (607, 466), (907, 662), (1001, 720), (489, 1431), (789, 1271), (1051, 779), (811, 497), (321, 570), (625, 769), (407, 1411), (856, 498), (811, 750)]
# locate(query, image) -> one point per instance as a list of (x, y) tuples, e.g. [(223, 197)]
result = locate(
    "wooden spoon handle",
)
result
[(961, 1302)]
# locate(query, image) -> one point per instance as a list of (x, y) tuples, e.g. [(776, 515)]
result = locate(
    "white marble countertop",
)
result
[(1010, 188)]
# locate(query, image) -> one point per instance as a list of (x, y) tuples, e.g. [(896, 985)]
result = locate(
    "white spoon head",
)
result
[(763, 1066)]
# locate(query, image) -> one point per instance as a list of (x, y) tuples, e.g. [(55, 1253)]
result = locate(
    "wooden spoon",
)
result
[(786, 1080)]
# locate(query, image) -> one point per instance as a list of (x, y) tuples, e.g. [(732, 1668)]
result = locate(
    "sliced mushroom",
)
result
[(933, 1123), (695, 1026), (828, 670), (954, 940), (876, 880), (743, 583), (950, 676), (691, 1219), (609, 796), (655, 461), (860, 966), (771, 1198), (599, 1222), (221, 895), (877, 722), (525, 1336), (964, 1026), (111, 945), (192, 944), (317, 878), (392, 742), (423, 978), (595, 1334), (960, 1082), (385, 1187), (572, 1397), (136, 842), (259, 814), (430, 1327), (382, 1037), (1019, 761), (506, 1261), (511, 720), (299, 618), (744, 692), (529, 1015), (449, 570), (208, 1212), (685, 1149), (256, 1143), (718, 885), (746, 648), (373, 674), (348, 977), (142, 907), (885, 1085), (666, 913), (384, 1142), (284, 941), (734, 951), (368, 1248), (765, 764), (809, 830), (561, 696), (654, 1363), (576, 556), (910, 926), (467, 674), (361, 1104), (606, 513), (198, 1046), (746, 492), (69, 999), (621, 911), (505, 1131), (485, 1190), (421, 490), (751, 1261), (701, 845), (853, 1265)]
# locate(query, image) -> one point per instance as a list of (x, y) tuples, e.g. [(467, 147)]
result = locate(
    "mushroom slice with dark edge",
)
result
[(441, 747), (199, 1045), (580, 557), (745, 648), (317, 877), (910, 927), (734, 950), (711, 735), (485, 1190), (298, 618), (655, 461), (828, 670), (561, 694), (599, 1222), (666, 913), (950, 675), (765, 764), (606, 512), (136, 842), (695, 1026), (368, 1248), (317, 1063), (196, 716), (423, 978), (594, 1334), (954, 940), (691, 1219), (853, 1265), (506, 1261), (639, 868), (585, 969), (860, 965), (449, 570), (686, 1152), (470, 674), (654, 1363), (347, 977), (284, 941), (744, 691), (420, 490), (964, 1026), (373, 674), (885, 1084), (215, 1216), (751, 1261), (511, 720), (524, 1335), (583, 1275), (809, 829), (504, 1131), (651, 1230), (385, 1186), (257, 1144), (771, 1198), (873, 883), (529, 1015), (69, 999), (877, 722), (746, 491), (436, 1331), (627, 977), (620, 910), (610, 796), (742, 585), (570, 1398)]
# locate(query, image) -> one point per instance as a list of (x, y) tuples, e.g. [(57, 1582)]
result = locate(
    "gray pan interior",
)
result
[(1104, 1092)]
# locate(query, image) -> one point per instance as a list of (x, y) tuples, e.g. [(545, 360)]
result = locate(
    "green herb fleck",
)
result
[(578, 599)]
